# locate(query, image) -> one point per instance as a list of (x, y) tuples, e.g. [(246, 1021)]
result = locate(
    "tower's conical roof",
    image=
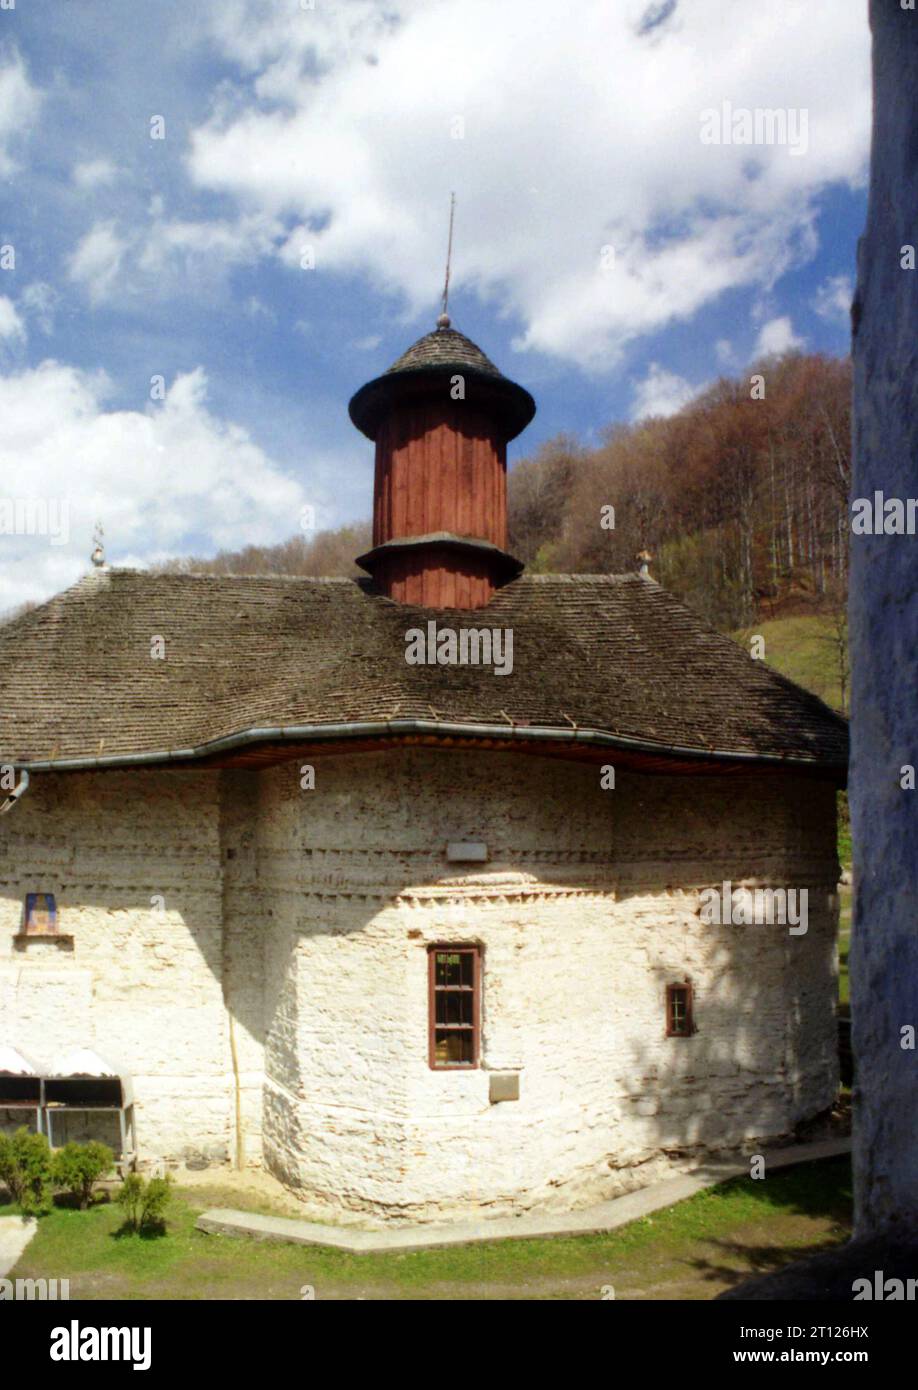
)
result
[(438, 355), (444, 348)]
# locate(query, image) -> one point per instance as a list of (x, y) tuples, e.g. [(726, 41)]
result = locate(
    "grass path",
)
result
[(692, 1250)]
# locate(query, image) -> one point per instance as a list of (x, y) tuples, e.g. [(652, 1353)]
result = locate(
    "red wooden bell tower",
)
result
[(441, 417)]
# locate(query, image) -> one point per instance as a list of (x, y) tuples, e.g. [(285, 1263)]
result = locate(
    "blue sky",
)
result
[(606, 255)]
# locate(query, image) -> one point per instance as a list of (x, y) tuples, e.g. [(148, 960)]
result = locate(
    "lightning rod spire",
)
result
[(444, 320)]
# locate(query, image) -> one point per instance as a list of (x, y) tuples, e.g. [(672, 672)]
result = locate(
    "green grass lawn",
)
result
[(689, 1251), (803, 649)]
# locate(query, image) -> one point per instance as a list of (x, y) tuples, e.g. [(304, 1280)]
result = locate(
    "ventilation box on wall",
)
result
[(467, 852)]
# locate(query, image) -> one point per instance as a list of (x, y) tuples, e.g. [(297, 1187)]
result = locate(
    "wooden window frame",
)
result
[(686, 987), (473, 949)]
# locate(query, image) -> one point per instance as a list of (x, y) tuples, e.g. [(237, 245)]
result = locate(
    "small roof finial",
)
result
[(98, 553), (444, 320)]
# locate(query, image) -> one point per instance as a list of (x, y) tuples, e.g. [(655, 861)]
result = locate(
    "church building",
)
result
[(449, 892)]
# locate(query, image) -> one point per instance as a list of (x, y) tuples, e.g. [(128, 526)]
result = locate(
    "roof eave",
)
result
[(512, 403), (445, 729)]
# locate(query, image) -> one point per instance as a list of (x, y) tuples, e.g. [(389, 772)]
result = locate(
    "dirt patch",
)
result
[(252, 1189)]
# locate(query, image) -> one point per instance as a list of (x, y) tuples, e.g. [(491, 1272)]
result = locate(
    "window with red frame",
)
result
[(454, 974)]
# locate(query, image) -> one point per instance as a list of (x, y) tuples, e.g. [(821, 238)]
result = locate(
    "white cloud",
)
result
[(174, 247), (776, 337), (219, 240), (576, 137), (38, 301), (19, 104), (94, 173), (97, 259), (832, 300), (660, 393), (258, 310), (11, 324), (171, 480), (166, 254)]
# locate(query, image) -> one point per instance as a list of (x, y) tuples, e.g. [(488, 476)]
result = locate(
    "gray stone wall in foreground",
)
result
[(884, 648)]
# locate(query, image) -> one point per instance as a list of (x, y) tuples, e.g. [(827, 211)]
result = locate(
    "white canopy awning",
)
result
[(12, 1063), (81, 1062)]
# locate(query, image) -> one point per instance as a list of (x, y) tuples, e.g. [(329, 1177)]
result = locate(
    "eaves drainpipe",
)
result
[(17, 792), (382, 728)]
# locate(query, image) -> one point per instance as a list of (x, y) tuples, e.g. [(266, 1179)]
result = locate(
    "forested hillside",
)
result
[(741, 501)]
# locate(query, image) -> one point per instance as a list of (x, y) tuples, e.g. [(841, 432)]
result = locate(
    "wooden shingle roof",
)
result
[(426, 369), (444, 348), (617, 655)]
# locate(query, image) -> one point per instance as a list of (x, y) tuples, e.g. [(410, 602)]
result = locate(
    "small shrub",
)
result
[(78, 1167), (25, 1168), (155, 1201), (129, 1199), (144, 1202)]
